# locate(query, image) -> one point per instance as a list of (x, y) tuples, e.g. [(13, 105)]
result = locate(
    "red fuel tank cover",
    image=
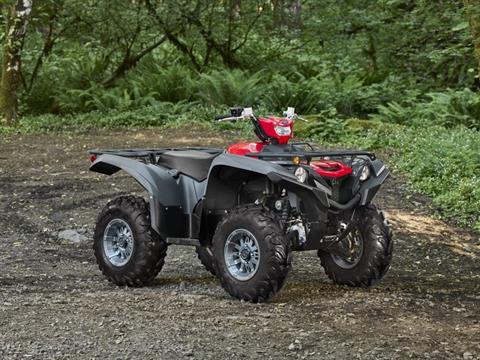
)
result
[(245, 148), (331, 168)]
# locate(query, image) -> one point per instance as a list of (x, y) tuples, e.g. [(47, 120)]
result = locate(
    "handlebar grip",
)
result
[(221, 117)]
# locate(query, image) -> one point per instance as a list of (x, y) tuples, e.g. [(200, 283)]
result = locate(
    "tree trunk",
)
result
[(278, 13), (287, 13), (296, 14), (235, 7), (17, 17), (473, 15)]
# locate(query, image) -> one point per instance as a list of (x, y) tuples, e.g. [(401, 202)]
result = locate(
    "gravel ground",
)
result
[(54, 303)]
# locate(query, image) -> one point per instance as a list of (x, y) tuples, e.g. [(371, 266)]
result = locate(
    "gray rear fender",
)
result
[(170, 195)]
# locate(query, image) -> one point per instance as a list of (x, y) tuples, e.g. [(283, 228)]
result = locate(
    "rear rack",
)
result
[(148, 152), (151, 154)]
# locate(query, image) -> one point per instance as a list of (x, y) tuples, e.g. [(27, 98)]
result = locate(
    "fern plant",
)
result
[(228, 87), (281, 93), (449, 109), (172, 83)]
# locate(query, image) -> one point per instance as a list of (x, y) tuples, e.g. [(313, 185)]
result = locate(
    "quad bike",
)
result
[(246, 209)]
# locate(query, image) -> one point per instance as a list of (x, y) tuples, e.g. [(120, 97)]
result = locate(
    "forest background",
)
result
[(396, 76)]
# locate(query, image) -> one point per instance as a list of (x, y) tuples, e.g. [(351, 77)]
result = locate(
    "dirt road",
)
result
[(54, 303)]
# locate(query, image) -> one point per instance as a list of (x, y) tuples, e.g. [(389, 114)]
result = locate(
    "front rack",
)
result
[(308, 155)]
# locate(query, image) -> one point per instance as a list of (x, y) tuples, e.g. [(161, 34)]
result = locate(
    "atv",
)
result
[(245, 209)]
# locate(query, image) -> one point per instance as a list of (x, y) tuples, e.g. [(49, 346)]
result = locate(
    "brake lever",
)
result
[(295, 117)]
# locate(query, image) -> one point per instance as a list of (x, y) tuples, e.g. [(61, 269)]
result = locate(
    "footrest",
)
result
[(183, 241)]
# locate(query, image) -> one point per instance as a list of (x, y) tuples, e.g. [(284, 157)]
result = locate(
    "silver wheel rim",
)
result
[(242, 254), (355, 243), (118, 242)]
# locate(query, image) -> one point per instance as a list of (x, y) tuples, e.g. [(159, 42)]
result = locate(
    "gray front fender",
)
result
[(250, 164), (316, 198), (160, 185)]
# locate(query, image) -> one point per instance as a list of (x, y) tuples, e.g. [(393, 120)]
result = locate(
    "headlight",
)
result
[(365, 173), (301, 174), (283, 130)]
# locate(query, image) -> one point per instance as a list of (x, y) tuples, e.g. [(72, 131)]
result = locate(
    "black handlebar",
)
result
[(220, 117), (234, 112)]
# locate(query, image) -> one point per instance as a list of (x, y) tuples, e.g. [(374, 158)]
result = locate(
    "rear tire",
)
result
[(205, 255), (376, 253), (248, 230), (145, 255)]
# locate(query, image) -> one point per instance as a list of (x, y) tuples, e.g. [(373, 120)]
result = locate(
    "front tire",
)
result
[(127, 250), (205, 255), (251, 254), (374, 237)]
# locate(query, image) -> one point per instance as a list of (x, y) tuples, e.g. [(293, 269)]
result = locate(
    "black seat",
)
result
[(192, 163)]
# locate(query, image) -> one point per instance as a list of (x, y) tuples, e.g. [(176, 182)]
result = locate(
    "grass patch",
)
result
[(160, 115)]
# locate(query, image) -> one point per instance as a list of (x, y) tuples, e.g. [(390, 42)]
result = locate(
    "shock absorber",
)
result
[(284, 206)]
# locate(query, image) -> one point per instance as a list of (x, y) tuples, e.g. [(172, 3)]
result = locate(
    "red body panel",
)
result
[(331, 168), (268, 126), (245, 148), (326, 168)]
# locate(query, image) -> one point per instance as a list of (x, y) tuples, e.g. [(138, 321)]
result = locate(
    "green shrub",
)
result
[(161, 114), (173, 83), (147, 85), (312, 95), (325, 125), (228, 88), (281, 93), (365, 99), (450, 108), (77, 67)]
